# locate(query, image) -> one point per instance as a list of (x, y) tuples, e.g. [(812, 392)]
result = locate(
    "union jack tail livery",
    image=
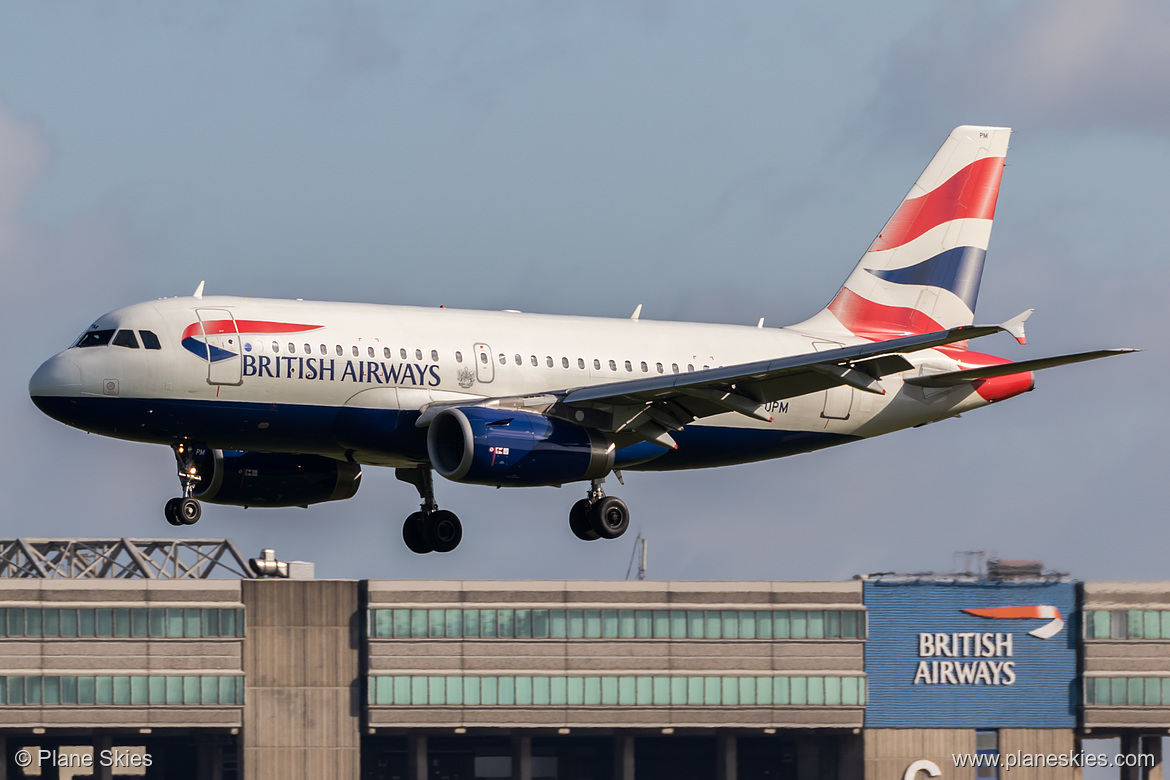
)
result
[(921, 274)]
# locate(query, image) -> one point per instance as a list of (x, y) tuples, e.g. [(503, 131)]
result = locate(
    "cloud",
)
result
[(24, 153), (1054, 64), (355, 45)]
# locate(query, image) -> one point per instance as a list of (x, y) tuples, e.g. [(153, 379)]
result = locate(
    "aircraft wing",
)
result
[(650, 408), (952, 378)]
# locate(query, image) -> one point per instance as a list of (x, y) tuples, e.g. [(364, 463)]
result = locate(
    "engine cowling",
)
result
[(511, 448), (271, 479)]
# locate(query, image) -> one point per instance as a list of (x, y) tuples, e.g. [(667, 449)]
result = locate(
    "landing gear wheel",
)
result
[(610, 517), (188, 511), (171, 511), (579, 522), (414, 535), (442, 531)]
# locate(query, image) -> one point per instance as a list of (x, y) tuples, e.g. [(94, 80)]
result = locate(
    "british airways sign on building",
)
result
[(970, 654)]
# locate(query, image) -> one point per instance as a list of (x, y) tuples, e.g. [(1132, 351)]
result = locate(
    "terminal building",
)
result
[(178, 655)]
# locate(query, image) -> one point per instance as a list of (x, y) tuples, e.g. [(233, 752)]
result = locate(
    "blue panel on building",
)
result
[(930, 664)]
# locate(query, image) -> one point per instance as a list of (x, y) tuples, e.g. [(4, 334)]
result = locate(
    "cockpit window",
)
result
[(125, 338), (95, 338), (149, 340)]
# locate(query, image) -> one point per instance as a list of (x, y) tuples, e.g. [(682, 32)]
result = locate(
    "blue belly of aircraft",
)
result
[(337, 431)]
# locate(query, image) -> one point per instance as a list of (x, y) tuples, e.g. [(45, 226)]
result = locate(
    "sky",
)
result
[(714, 163)]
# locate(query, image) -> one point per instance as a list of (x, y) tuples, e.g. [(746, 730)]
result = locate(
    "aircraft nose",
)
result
[(57, 376)]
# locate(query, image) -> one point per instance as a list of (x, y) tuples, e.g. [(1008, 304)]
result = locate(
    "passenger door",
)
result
[(224, 351), (485, 371)]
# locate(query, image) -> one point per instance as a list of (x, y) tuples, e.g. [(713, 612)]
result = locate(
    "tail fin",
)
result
[(922, 272)]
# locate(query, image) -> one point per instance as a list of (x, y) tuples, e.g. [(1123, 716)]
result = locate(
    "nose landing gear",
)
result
[(599, 516), (185, 510), (430, 529)]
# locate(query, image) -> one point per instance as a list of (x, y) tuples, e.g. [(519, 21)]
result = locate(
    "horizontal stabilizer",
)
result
[(953, 378)]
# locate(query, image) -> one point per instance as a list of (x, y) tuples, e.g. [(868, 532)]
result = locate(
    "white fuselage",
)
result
[(348, 380)]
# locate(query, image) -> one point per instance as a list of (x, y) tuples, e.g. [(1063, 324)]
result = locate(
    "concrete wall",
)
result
[(303, 713)]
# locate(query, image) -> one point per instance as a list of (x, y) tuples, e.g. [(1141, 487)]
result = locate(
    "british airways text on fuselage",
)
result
[(327, 370)]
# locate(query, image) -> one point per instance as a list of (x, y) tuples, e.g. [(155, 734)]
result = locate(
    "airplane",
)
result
[(273, 403)]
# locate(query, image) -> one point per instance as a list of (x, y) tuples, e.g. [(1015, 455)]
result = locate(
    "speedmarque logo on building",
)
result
[(991, 649)]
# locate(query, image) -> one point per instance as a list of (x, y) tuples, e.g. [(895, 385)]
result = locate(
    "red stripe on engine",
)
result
[(969, 194)]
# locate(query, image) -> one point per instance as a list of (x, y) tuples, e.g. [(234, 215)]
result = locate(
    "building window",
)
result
[(986, 744), (101, 623), (538, 623), (1128, 691), (1127, 624), (120, 690), (616, 690)]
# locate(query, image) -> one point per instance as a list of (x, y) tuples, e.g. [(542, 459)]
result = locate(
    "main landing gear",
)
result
[(430, 529), (599, 516), (184, 510)]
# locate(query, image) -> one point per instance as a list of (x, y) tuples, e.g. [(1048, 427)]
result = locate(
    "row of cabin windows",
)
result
[(122, 338), (613, 366), (388, 354)]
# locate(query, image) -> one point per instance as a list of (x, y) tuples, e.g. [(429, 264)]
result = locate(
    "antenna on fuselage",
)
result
[(199, 290)]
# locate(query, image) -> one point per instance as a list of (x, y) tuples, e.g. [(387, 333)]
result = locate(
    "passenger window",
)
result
[(629, 366), (308, 349), (659, 367), (125, 338), (706, 367), (355, 350), (612, 365), (324, 350), (644, 367), (519, 360), (418, 354), (548, 360), (292, 348), (458, 356), (339, 350), (370, 351), (434, 356), (535, 362), (580, 362), (386, 352), (690, 367), (503, 359), (596, 364), (483, 358), (564, 362), (674, 368), (149, 340), (402, 353), (275, 347), (95, 338)]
